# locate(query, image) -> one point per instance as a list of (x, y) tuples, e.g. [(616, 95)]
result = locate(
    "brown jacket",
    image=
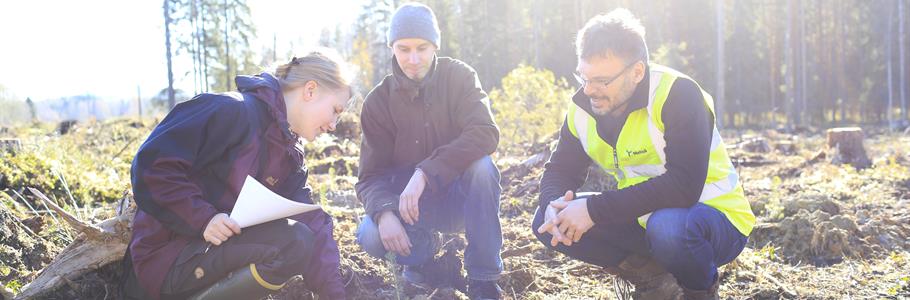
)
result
[(439, 125)]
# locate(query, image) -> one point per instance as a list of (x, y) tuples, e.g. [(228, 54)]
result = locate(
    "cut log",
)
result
[(847, 146), (96, 246), (521, 170), (755, 144), (541, 152)]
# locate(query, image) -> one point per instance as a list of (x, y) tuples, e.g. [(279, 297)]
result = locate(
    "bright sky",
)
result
[(51, 49)]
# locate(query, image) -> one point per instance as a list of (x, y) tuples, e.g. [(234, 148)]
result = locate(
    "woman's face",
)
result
[(314, 109)]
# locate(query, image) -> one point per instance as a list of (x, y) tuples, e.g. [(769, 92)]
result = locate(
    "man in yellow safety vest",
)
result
[(679, 211)]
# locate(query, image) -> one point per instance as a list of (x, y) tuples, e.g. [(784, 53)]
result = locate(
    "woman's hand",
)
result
[(220, 228)]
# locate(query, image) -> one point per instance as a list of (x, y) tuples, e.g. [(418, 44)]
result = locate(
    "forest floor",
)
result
[(824, 231)]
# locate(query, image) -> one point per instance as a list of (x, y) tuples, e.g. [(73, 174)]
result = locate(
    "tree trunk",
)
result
[(789, 63), (803, 89), (889, 61), (843, 93), (901, 52), (227, 51), (205, 48), (773, 67), (194, 45), (139, 101), (719, 94), (847, 145), (171, 102)]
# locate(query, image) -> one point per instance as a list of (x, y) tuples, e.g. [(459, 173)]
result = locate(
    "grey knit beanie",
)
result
[(414, 20)]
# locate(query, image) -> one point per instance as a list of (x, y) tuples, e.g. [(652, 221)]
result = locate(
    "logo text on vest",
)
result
[(642, 151)]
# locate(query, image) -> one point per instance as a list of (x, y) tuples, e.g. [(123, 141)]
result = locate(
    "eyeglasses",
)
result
[(601, 83)]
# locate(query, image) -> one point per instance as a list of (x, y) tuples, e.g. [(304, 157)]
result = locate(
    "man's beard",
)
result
[(603, 110), (609, 104)]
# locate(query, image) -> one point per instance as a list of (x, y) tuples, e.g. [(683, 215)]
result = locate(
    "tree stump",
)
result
[(96, 246), (11, 145), (785, 147), (66, 126), (847, 145)]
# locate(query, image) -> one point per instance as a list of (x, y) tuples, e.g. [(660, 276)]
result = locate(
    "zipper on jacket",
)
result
[(616, 164), (615, 159)]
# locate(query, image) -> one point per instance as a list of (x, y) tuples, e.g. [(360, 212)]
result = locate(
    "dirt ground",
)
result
[(824, 231)]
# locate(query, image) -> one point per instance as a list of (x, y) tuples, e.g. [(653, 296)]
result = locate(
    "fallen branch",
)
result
[(784, 289), (526, 249)]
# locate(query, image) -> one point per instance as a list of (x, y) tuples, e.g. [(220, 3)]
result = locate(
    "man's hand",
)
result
[(573, 219), (550, 221), (220, 228), (394, 237), (407, 202)]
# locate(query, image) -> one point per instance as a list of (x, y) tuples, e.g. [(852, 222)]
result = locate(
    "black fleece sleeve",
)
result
[(688, 131), (566, 169)]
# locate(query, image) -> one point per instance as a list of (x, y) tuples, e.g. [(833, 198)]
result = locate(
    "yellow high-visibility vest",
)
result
[(639, 154)]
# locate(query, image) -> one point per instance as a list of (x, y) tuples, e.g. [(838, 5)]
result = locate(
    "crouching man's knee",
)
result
[(368, 238), (482, 170)]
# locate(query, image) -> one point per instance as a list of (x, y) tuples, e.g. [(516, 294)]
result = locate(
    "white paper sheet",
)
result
[(256, 204)]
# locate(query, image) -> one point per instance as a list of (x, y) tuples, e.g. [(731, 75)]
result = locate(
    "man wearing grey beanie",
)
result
[(425, 159)]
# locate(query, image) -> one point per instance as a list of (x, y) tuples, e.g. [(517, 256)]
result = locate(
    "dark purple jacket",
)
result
[(193, 166)]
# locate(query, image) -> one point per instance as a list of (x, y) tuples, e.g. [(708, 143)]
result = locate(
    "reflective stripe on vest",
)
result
[(639, 154)]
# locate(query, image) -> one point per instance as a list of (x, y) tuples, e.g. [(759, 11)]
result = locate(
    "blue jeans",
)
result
[(689, 242), (477, 192)]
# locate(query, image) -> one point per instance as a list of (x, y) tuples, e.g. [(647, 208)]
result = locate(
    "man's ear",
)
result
[(639, 71)]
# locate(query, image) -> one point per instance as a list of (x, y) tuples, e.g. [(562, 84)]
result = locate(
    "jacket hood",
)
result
[(410, 87), (268, 91)]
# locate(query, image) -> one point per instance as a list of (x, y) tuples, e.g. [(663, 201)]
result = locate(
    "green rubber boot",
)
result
[(243, 283)]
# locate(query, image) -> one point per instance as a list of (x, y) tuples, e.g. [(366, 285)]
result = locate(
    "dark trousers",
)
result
[(279, 249), (470, 203), (689, 242)]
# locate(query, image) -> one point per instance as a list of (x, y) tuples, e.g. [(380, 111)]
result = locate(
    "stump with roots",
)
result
[(847, 146), (96, 246)]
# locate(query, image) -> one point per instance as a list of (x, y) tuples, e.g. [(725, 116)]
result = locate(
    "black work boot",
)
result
[(709, 294), (484, 290), (244, 283), (419, 274), (650, 279)]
